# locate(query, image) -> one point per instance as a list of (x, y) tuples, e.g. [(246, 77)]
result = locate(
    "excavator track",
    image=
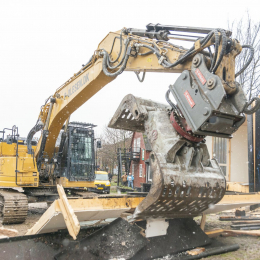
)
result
[(13, 207)]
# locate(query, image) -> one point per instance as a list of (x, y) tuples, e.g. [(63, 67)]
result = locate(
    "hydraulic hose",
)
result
[(146, 53), (223, 49), (113, 47), (216, 50), (39, 126), (104, 65), (252, 51), (250, 111), (140, 79), (169, 100), (114, 67), (191, 51)]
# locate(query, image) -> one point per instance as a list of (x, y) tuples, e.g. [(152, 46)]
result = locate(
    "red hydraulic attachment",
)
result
[(181, 126)]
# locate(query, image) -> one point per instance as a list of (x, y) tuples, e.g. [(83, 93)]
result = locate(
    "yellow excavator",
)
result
[(208, 102)]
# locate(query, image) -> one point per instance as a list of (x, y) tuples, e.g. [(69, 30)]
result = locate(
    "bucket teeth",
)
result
[(132, 113)]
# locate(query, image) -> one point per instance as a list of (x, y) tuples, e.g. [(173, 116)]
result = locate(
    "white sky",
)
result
[(43, 43)]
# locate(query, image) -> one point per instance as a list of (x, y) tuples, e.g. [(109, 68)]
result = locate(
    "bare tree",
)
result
[(247, 32), (112, 139)]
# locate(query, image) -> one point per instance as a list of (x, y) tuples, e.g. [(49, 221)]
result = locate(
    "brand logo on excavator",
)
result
[(78, 85), (189, 99)]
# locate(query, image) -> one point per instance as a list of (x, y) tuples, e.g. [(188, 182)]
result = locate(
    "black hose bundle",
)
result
[(215, 59), (252, 51), (104, 64), (223, 49), (216, 50), (250, 111)]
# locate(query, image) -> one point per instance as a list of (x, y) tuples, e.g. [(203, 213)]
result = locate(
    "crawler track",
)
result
[(13, 207)]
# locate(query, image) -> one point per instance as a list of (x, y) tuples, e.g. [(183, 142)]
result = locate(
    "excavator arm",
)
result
[(149, 51), (209, 101)]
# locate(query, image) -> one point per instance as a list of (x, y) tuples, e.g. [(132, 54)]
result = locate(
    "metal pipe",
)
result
[(188, 38), (66, 124), (49, 115), (16, 163)]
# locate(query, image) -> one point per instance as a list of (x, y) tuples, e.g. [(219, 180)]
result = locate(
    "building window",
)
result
[(133, 169), (220, 152), (148, 172), (140, 170), (136, 148), (143, 154)]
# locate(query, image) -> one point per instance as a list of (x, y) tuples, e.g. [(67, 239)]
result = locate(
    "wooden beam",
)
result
[(228, 233), (238, 187), (69, 216), (101, 208), (214, 233), (203, 221)]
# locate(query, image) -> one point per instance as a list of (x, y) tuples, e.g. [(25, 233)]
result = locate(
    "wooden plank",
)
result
[(69, 216), (229, 218), (45, 218), (214, 233), (228, 233), (203, 221), (238, 187), (101, 208)]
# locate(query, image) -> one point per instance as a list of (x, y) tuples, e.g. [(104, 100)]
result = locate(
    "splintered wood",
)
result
[(229, 233), (69, 216), (196, 251)]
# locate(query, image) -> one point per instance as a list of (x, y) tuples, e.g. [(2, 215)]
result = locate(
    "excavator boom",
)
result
[(128, 50), (209, 101)]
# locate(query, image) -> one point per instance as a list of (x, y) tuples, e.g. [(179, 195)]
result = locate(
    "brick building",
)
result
[(140, 165)]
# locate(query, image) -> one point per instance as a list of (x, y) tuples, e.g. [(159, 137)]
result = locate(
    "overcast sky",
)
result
[(43, 43)]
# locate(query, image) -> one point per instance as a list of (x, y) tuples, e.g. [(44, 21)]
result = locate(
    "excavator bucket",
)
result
[(185, 182)]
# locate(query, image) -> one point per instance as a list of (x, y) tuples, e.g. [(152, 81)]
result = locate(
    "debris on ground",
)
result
[(249, 244), (8, 232), (196, 251)]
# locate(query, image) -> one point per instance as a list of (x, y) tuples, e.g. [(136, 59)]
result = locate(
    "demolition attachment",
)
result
[(210, 105), (185, 182)]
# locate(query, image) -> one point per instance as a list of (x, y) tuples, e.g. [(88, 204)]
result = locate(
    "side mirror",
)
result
[(99, 144)]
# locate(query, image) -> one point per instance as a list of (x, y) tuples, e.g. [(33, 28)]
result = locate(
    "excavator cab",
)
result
[(76, 156)]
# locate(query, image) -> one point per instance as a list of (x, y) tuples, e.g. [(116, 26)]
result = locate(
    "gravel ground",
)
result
[(249, 246)]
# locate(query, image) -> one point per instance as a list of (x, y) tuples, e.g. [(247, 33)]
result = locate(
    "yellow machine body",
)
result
[(75, 184), (26, 168), (18, 171)]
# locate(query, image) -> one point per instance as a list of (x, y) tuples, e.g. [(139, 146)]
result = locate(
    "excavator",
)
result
[(208, 102)]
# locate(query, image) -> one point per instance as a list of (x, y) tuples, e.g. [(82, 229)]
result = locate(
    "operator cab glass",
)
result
[(81, 159)]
